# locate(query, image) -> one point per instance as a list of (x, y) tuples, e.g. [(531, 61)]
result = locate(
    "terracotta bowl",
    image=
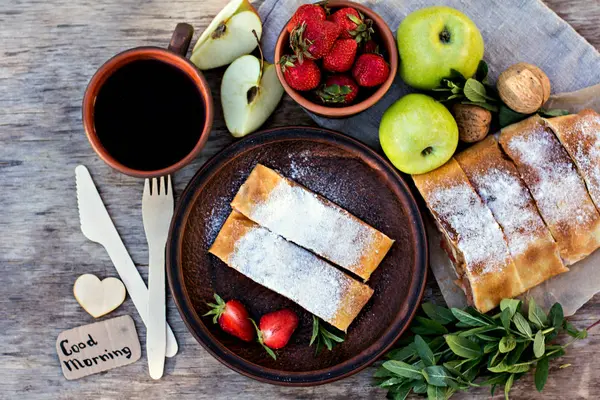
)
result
[(387, 42)]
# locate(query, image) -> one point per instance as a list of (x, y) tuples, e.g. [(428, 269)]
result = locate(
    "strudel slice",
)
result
[(580, 136), (296, 273), (474, 239), (499, 185), (556, 187), (311, 221)]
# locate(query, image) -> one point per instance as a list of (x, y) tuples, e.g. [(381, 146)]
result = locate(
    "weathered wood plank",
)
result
[(49, 51)]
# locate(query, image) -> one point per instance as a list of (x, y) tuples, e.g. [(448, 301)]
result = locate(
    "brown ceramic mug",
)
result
[(110, 109)]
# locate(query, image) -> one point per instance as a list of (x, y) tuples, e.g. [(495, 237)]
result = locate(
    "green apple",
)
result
[(250, 92), (228, 36), (434, 40), (418, 134)]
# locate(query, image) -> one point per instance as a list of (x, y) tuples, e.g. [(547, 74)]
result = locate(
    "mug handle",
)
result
[(182, 36)]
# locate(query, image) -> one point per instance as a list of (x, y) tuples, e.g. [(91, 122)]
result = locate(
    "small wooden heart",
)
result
[(98, 297)]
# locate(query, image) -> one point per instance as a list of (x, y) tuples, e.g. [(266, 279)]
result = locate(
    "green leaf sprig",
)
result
[(476, 91), (322, 337), (453, 350), (480, 92)]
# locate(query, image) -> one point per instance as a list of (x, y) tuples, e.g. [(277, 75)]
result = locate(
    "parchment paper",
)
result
[(572, 289)]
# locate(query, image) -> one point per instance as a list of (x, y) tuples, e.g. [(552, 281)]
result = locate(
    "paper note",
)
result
[(98, 347)]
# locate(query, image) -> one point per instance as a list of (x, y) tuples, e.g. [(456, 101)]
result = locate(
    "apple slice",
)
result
[(228, 36), (250, 92)]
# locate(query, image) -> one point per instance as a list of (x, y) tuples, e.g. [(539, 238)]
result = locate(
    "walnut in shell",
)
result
[(524, 88), (473, 122)]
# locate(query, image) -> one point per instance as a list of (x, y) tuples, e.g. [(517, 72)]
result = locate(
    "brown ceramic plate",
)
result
[(342, 170)]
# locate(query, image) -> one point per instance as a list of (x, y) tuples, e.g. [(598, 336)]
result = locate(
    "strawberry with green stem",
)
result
[(313, 39), (301, 76), (275, 329), (232, 317), (338, 89), (353, 24), (306, 13)]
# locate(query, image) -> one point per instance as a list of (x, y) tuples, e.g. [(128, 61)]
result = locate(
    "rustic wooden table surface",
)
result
[(49, 51)]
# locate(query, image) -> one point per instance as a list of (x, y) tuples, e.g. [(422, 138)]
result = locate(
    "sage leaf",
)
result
[(489, 347), (541, 374), (315, 331), (507, 343), (468, 319), (495, 360), (479, 330), (522, 325), (426, 326), (515, 355), (463, 347), (403, 354), (517, 368), (556, 316), (505, 318), (391, 382), (539, 346), (402, 392), (508, 385), (456, 76), (436, 343), (512, 304), (574, 332), (506, 116), (438, 314), (436, 375), (487, 106), (420, 387), (471, 369), (499, 379), (557, 112), (486, 338), (435, 393), (475, 91), (424, 351), (502, 367), (482, 71), (383, 373), (403, 369), (536, 314)]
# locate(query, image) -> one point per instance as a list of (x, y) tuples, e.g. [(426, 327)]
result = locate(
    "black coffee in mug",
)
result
[(149, 115)]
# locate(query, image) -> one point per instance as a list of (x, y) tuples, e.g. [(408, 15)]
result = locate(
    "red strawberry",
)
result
[(306, 13), (314, 39), (232, 318), (341, 56), (353, 24), (338, 89), (275, 329), (371, 46), (300, 75), (370, 70)]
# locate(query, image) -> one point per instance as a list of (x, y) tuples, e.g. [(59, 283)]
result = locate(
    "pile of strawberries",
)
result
[(338, 45)]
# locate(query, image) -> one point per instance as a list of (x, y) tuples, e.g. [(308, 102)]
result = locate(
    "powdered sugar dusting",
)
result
[(323, 228), (291, 271), (558, 190), (479, 237), (587, 152), (511, 204)]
